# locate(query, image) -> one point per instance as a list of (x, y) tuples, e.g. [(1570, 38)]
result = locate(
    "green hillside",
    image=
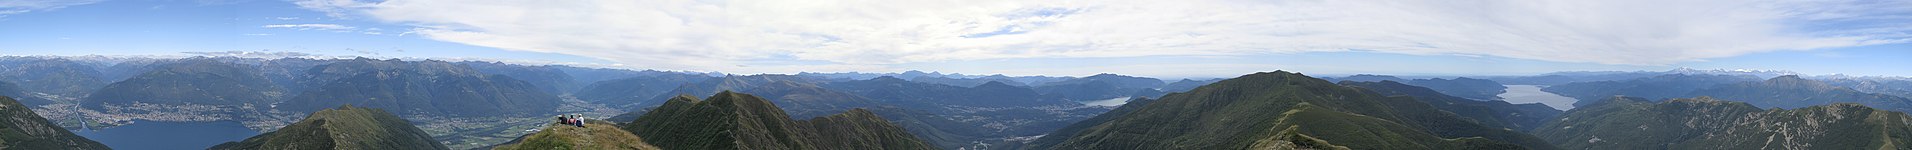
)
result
[(730, 120), (419, 88), (1521, 117), (23, 129), (345, 127), (191, 81), (1707, 123), (594, 135), (1246, 111)]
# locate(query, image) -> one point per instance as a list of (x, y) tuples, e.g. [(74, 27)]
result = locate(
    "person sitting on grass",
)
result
[(580, 118)]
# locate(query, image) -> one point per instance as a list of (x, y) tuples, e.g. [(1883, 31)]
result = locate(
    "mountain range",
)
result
[(1101, 86), (1901, 87), (1470, 88), (190, 82), (1794, 92), (632, 90), (1778, 92), (421, 87), (1653, 88), (473, 104), (1708, 123), (52, 75)]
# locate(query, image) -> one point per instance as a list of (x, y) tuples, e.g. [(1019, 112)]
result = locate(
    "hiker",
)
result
[(563, 120), (580, 118), (573, 121)]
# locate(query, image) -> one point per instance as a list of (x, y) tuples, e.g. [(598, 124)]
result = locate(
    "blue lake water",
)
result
[(1521, 94), (1107, 102), (169, 135)]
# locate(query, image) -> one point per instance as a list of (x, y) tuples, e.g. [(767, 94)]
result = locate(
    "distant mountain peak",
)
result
[(888, 79), (1755, 72), (1787, 77), (1796, 81), (1674, 124), (1370, 75), (995, 84)]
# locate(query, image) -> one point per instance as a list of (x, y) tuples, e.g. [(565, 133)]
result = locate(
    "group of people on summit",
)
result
[(573, 119)]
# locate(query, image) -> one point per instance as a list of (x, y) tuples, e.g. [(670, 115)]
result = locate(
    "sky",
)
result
[(1157, 38)]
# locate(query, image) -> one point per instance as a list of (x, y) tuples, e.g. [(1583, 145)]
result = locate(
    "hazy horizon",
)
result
[(1181, 39)]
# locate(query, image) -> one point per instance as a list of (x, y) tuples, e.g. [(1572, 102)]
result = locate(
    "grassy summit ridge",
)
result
[(345, 127), (1249, 111), (730, 120)]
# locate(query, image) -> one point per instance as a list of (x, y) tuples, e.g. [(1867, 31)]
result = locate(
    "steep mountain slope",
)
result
[(1365, 78), (938, 130), (420, 87), (966, 82), (1522, 117), (594, 135), (23, 129), (1471, 88), (190, 81), (731, 120), (13, 90), (633, 89), (1706, 123), (1244, 111), (1557, 78), (51, 75), (804, 100), (1901, 87), (594, 75), (547, 78), (1652, 88), (917, 94), (712, 86), (1186, 84), (1794, 92), (859, 128), (345, 127), (286, 72), (1047, 142), (922, 108), (957, 117), (1101, 86), (1476, 89)]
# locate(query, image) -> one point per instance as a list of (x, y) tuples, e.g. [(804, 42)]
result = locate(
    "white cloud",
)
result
[(320, 27), (10, 7), (738, 35), (328, 27), (332, 8)]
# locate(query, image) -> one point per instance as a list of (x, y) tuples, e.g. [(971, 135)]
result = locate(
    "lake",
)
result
[(169, 135), (1522, 94), (1108, 102)]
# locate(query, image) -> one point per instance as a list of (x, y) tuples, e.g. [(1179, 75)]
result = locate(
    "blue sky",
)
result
[(1171, 39)]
